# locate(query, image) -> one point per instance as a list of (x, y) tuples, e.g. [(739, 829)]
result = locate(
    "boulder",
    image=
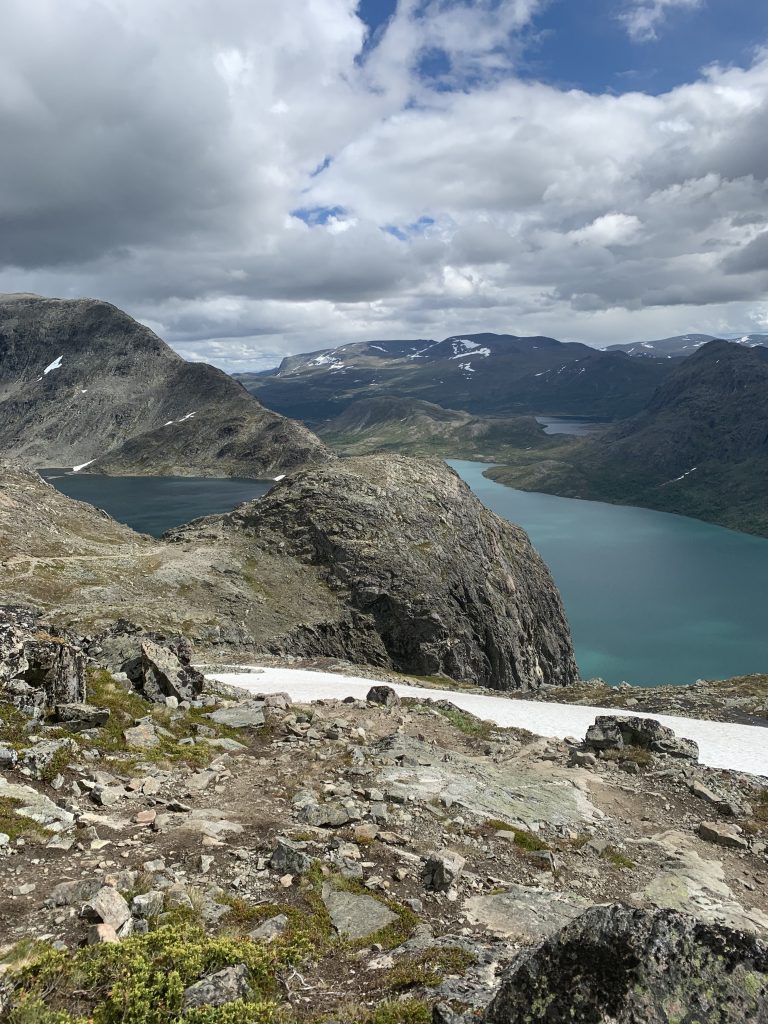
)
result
[(356, 916), (289, 858), (383, 695), (38, 669), (442, 870), (218, 989), (142, 735), (614, 732), (40, 757), (271, 929), (107, 906), (80, 716), (166, 675), (239, 716), (723, 835), (619, 965)]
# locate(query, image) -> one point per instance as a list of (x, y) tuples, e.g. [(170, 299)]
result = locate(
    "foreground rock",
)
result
[(617, 965), (38, 671)]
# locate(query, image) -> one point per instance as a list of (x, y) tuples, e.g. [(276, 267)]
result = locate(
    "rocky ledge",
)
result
[(202, 855)]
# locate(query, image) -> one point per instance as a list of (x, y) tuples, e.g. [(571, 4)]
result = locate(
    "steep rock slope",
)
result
[(700, 447), (82, 382), (385, 561), (432, 581), (483, 374)]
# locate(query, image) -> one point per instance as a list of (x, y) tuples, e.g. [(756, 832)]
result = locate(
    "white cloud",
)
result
[(153, 155), (643, 18)]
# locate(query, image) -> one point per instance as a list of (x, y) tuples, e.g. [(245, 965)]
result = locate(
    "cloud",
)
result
[(251, 179), (643, 18)]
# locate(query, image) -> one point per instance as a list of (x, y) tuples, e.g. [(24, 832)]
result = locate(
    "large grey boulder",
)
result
[(609, 732), (618, 965), (166, 675)]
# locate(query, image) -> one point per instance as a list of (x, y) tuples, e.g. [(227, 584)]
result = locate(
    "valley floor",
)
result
[(721, 744)]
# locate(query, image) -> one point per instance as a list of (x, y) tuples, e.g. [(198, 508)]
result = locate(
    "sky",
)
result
[(253, 178)]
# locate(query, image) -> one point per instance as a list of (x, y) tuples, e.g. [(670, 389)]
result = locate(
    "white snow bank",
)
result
[(721, 744), (53, 366), (76, 469)]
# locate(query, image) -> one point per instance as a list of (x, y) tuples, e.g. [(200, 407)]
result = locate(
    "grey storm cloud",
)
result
[(238, 178)]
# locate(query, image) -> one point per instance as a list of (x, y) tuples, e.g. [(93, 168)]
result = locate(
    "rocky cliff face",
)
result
[(82, 382), (383, 561), (432, 581)]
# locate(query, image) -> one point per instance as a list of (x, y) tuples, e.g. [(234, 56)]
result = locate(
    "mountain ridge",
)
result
[(84, 384)]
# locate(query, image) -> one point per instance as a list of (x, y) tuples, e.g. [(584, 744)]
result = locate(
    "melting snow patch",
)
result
[(721, 744), (467, 366), (76, 469), (187, 417), (278, 478), (685, 474), (53, 366)]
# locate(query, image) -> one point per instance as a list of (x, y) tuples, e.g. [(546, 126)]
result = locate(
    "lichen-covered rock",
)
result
[(165, 675), (432, 581), (618, 965), (614, 732)]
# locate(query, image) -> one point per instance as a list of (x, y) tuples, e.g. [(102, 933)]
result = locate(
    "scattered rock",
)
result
[(218, 989), (239, 716), (442, 870)]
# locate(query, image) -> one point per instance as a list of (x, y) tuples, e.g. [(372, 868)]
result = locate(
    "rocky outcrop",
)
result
[(38, 671), (157, 665), (615, 732), (618, 965), (81, 382), (433, 581)]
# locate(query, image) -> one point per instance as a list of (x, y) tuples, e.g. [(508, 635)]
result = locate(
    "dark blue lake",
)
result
[(651, 597), (153, 504)]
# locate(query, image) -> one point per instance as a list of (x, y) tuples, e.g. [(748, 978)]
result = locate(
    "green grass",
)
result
[(524, 839), (466, 723), (617, 859), (18, 826), (429, 968)]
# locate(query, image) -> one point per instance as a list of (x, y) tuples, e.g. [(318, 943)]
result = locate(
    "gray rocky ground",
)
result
[(375, 861)]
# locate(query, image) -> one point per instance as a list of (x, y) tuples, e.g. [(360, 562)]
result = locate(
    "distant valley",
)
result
[(684, 420)]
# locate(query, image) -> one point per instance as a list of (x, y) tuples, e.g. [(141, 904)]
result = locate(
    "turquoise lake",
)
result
[(652, 598)]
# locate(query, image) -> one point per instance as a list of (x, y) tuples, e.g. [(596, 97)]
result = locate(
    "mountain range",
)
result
[(683, 345), (482, 374), (699, 448), (83, 384)]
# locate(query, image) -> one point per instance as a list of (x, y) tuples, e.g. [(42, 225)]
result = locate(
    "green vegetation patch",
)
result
[(18, 826), (142, 980), (429, 968), (524, 839), (466, 723)]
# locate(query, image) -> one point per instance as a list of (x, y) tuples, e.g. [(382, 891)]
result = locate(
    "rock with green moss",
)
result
[(619, 965)]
